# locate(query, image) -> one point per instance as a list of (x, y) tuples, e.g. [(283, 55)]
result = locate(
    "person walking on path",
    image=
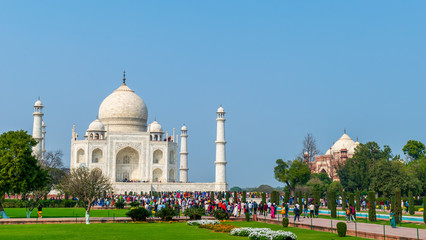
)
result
[(312, 208), (296, 211), (348, 214), (316, 209), (352, 214), (39, 210), (273, 211), (305, 209), (392, 218)]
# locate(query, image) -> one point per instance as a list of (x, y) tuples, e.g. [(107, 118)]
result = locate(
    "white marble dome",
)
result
[(184, 128), (155, 127), (123, 111), (96, 126), (344, 142)]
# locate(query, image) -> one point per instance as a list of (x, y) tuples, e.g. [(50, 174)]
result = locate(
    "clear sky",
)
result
[(280, 69)]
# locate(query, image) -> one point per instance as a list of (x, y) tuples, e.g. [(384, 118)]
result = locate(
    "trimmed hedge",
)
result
[(221, 214), (285, 222), (286, 196), (195, 213), (372, 207), (332, 203), (411, 207), (358, 201), (244, 197), (341, 229), (16, 203), (398, 210)]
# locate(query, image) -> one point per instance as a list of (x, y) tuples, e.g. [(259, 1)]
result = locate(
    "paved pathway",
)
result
[(374, 229)]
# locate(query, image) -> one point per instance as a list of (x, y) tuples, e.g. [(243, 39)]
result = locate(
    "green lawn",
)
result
[(65, 212), (139, 231)]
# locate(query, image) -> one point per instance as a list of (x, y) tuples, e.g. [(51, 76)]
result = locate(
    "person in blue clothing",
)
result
[(392, 218)]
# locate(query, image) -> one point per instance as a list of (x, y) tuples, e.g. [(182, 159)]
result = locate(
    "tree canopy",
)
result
[(19, 169), (87, 185), (292, 173), (414, 149)]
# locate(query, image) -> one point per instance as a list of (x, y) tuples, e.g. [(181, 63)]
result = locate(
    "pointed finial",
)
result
[(345, 130), (38, 97), (124, 77), (97, 117), (357, 139), (155, 118)]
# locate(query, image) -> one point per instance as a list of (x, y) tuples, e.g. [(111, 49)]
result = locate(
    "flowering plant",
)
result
[(202, 222), (263, 234)]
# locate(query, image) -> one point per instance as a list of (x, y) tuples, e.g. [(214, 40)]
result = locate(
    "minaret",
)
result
[(37, 128), (183, 170), (220, 147), (43, 140)]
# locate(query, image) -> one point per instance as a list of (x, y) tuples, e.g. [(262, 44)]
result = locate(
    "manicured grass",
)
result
[(65, 212), (139, 231)]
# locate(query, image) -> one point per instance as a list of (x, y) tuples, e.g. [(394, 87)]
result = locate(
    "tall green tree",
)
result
[(292, 173), (19, 170), (371, 206), (414, 149)]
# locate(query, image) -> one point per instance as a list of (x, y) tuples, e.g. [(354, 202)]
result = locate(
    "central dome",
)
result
[(123, 111)]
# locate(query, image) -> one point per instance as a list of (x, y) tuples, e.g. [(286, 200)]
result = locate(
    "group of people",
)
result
[(310, 210)]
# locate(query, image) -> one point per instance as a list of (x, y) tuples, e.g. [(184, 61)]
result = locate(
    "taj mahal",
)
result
[(136, 156)]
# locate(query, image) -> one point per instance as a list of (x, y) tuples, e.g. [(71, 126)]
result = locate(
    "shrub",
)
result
[(372, 208), (398, 210), (424, 212), (332, 203), (351, 199), (220, 214), (285, 222), (341, 229), (166, 214), (135, 204), (264, 197), (286, 196), (247, 216), (243, 197), (119, 204), (300, 199), (411, 207), (194, 213), (138, 214), (358, 201), (227, 197), (344, 201)]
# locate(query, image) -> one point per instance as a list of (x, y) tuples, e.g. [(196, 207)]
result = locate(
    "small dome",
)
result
[(220, 110), (38, 103), (184, 128), (155, 127), (42, 124), (96, 126)]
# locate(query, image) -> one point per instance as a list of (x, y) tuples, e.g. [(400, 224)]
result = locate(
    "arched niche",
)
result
[(81, 158), (172, 159), (127, 165), (157, 157), (157, 175), (97, 156), (171, 175)]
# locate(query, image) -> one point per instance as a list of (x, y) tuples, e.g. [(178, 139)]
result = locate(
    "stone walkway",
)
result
[(367, 230)]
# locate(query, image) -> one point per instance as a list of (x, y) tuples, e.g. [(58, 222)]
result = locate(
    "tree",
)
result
[(19, 170), (336, 187), (332, 202), (243, 197), (87, 185), (414, 149), (52, 162), (398, 210), (310, 147), (356, 173), (286, 196), (386, 174), (358, 201), (292, 173), (236, 189), (371, 206), (344, 201), (411, 207)]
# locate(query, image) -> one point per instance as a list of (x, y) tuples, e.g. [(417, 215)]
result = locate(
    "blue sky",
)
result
[(281, 69)]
